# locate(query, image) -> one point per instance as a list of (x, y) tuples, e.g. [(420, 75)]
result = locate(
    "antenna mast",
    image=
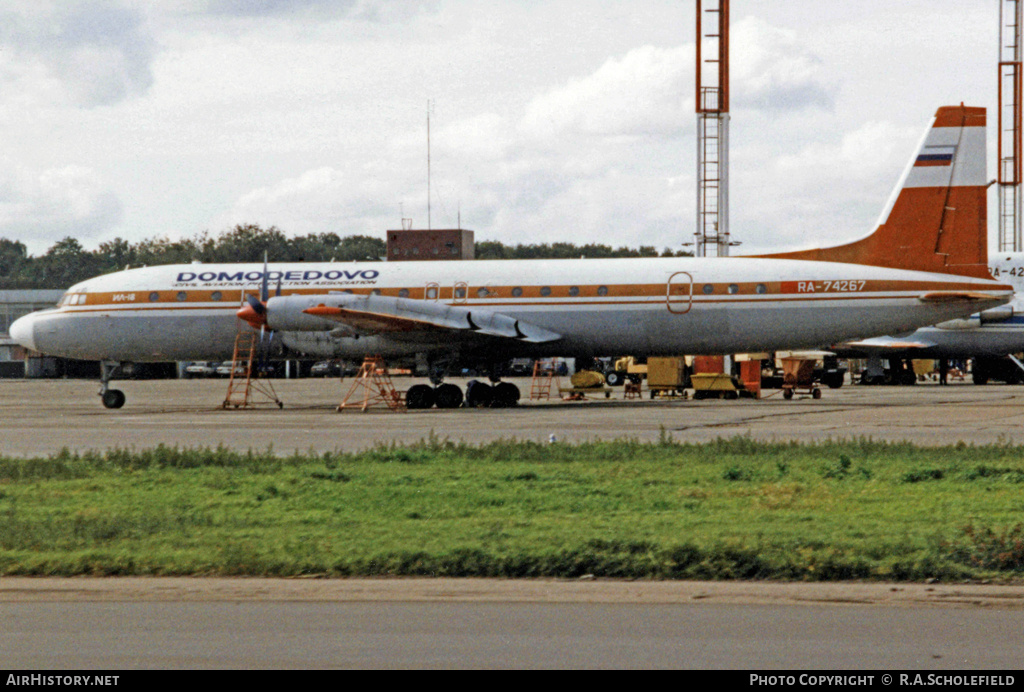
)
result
[(430, 105)]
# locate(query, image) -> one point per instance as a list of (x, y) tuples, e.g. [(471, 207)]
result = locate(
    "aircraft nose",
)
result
[(23, 332)]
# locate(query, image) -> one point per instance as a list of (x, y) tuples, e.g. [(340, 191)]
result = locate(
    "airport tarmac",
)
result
[(40, 417), (405, 623)]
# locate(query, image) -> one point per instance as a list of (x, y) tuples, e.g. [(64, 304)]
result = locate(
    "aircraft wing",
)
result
[(371, 314), (954, 296)]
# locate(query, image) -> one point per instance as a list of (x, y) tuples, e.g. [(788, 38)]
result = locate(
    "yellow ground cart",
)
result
[(798, 376)]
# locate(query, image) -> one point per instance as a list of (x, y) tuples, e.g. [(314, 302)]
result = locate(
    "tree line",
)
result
[(67, 262)]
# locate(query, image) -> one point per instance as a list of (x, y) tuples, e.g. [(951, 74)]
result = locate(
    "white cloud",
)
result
[(648, 90), (320, 200), (101, 54), (364, 10), (46, 206), (772, 70), (826, 192)]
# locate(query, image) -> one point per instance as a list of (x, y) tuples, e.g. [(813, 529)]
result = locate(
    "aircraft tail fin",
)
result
[(937, 217)]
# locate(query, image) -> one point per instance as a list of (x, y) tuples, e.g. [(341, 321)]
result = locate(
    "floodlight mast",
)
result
[(712, 105), (1009, 174)]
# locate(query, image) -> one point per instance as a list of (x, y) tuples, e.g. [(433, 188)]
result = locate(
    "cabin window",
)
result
[(181, 296), (734, 289), (709, 288), (545, 291), (404, 293), (574, 291), (602, 290), (517, 292), (460, 292), (761, 288), (375, 292), (482, 292), (216, 295), (432, 292), (153, 297)]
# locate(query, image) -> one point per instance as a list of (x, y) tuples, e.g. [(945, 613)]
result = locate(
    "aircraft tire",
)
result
[(419, 396), (505, 395), (113, 398), (448, 396), (478, 394), (833, 382)]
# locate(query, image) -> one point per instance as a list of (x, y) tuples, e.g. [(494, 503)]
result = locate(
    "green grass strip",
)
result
[(730, 509)]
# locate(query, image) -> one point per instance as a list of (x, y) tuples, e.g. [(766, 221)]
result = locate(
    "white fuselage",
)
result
[(598, 307)]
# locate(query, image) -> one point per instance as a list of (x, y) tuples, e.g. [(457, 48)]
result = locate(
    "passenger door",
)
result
[(679, 293)]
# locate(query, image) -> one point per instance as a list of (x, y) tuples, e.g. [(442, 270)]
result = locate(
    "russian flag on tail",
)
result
[(936, 156)]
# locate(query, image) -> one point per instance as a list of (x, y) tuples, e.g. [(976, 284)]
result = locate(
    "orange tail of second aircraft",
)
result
[(937, 217)]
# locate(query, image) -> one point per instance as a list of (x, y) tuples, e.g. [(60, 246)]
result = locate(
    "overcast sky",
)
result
[(561, 120)]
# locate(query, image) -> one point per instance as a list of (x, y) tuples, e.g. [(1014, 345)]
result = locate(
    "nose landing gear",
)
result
[(111, 398)]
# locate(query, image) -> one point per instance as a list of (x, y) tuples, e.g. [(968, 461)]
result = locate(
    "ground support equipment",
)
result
[(245, 388), (545, 374), (372, 386), (798, 376)]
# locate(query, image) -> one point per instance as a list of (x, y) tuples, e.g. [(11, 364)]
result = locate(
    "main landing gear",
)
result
[(478, 394), (111, 398)]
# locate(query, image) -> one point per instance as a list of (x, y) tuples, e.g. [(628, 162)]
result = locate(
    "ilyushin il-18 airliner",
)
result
[(926, 262)]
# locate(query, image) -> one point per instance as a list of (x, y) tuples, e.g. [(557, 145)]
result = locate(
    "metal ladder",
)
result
[(245, 389)]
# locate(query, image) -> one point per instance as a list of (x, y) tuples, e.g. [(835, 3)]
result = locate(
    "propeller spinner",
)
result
[(255, 310)]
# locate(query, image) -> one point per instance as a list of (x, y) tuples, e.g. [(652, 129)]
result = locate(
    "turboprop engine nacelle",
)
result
[(999, 314)]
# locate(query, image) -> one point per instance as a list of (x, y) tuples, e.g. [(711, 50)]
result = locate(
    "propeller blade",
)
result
[(264, 291), (259, 307)]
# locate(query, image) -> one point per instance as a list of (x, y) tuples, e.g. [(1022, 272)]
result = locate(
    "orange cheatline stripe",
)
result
[(557, 292)]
